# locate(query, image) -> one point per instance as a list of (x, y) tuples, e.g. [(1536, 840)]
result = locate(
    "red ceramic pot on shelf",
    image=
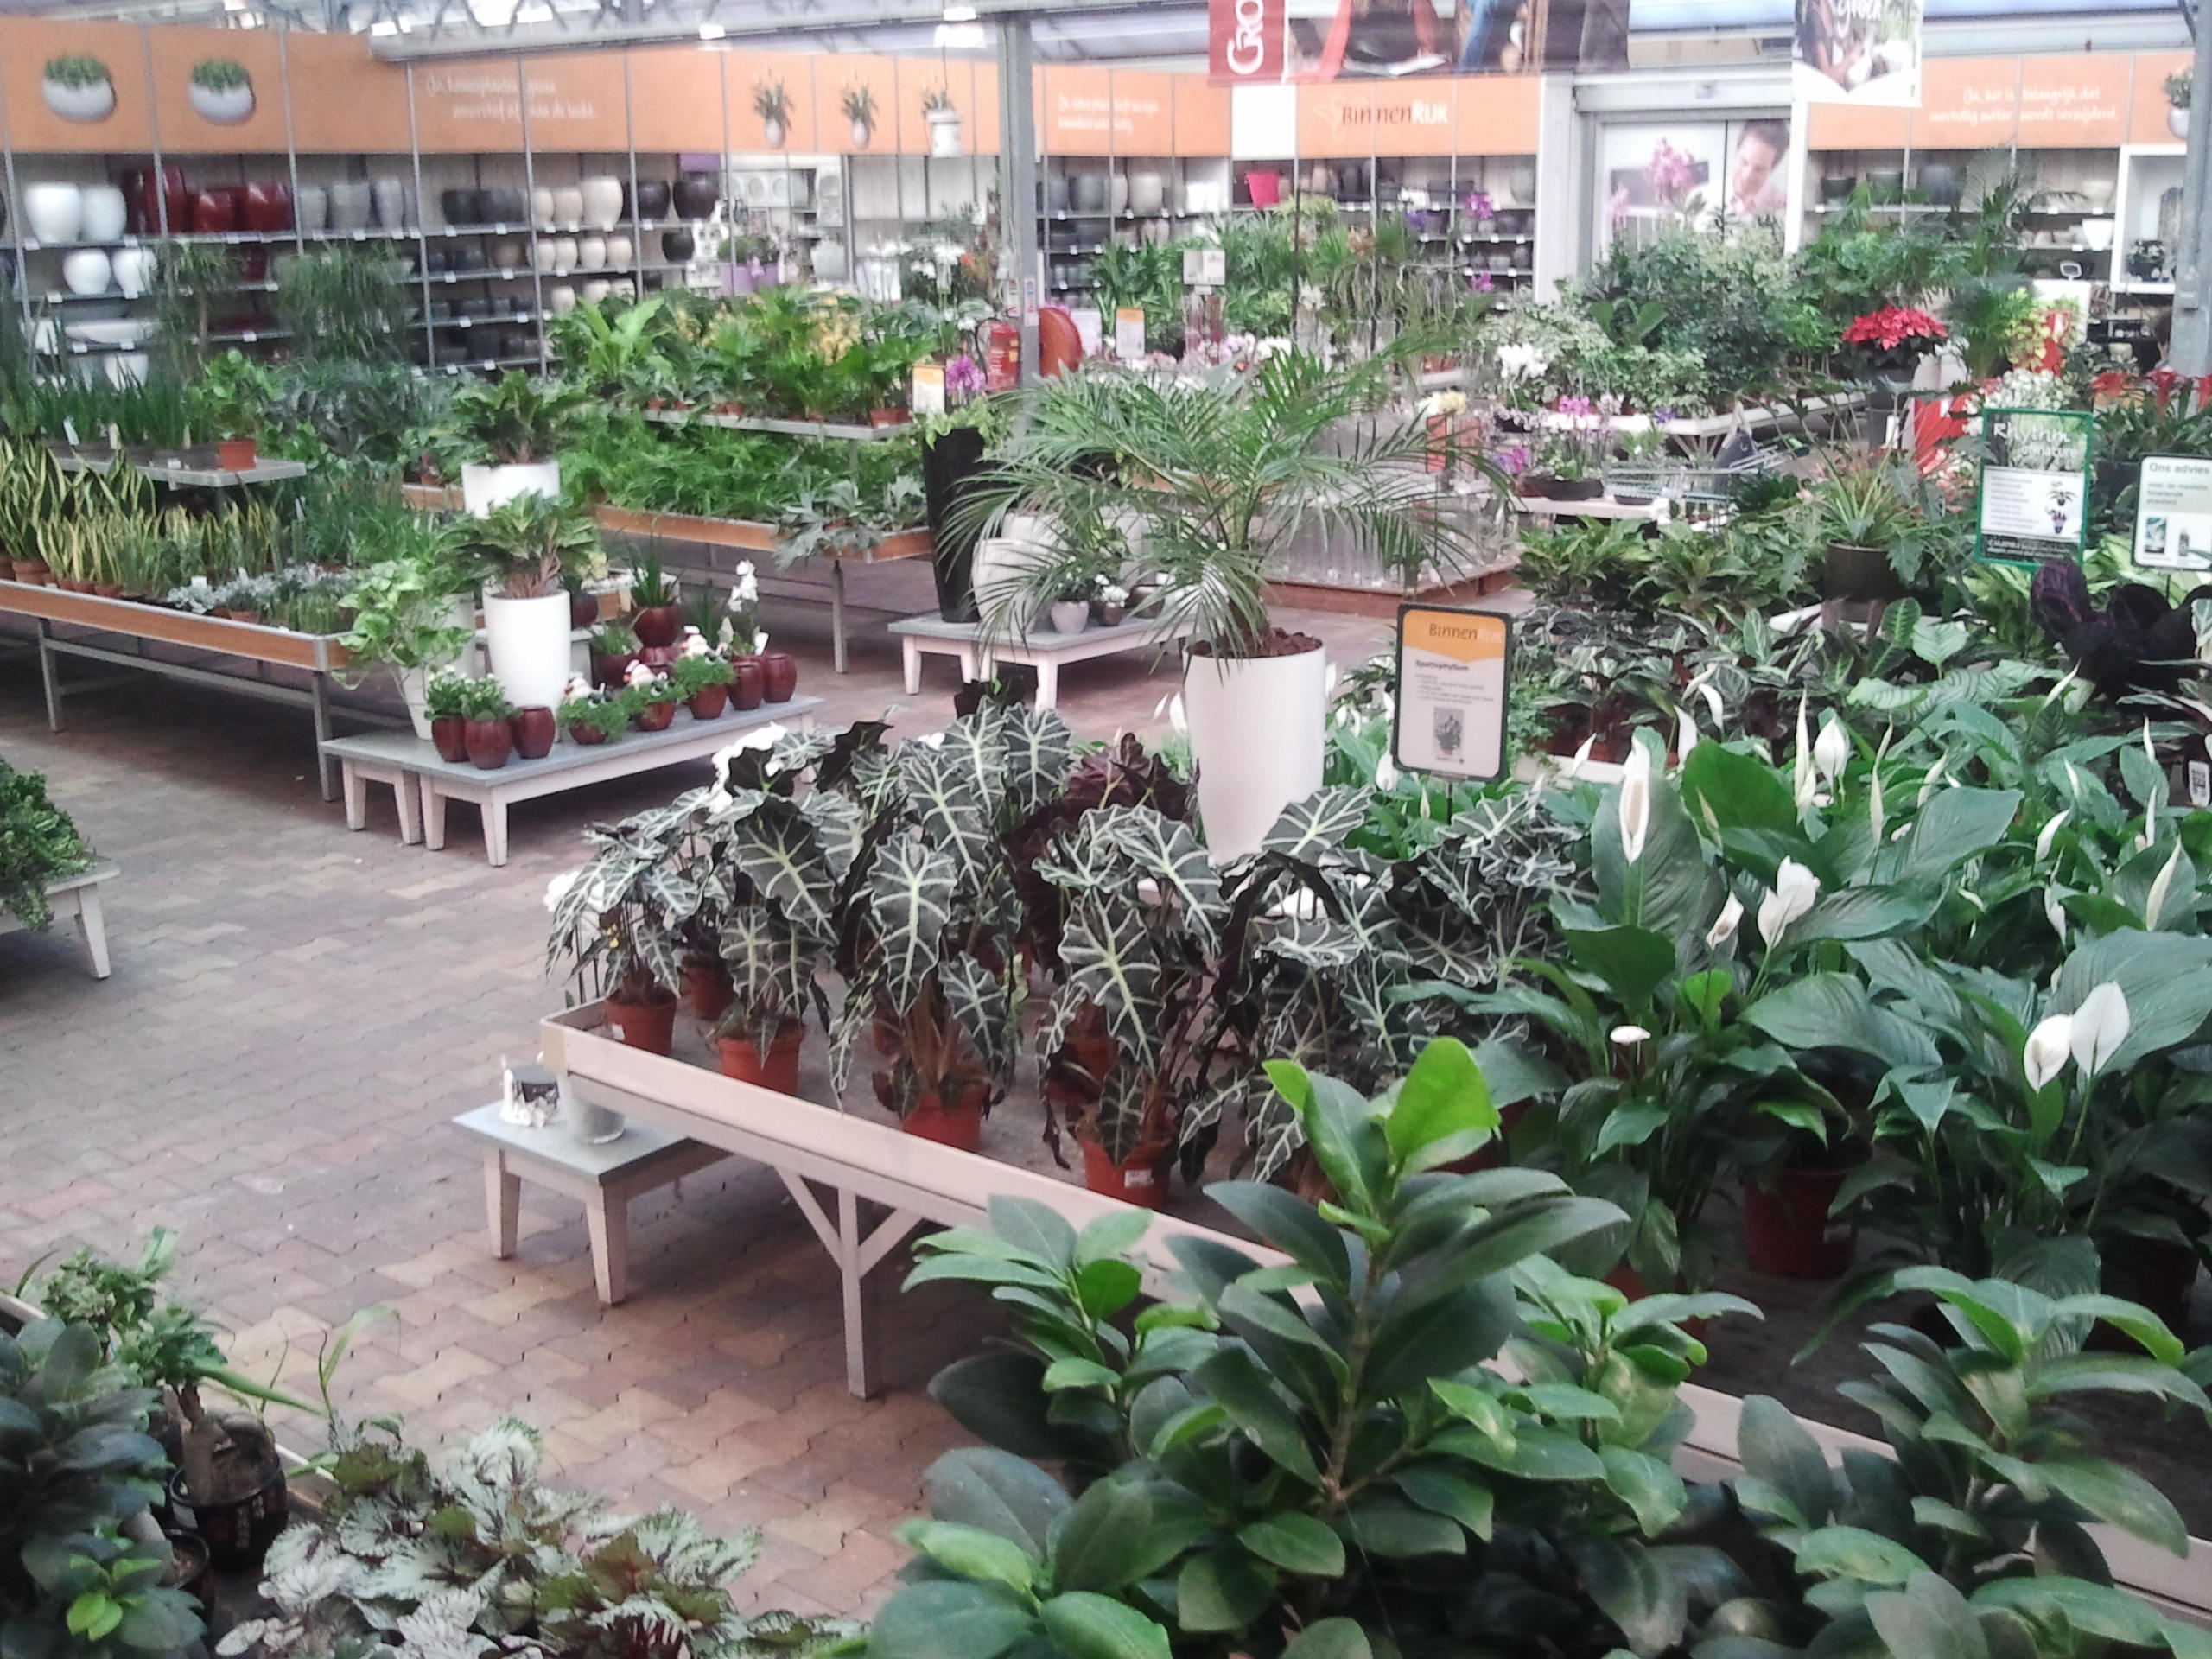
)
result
[(252, 263), (156, 202), (490, 743), (534, 731), (265, 204), (449, 735), (654, 716), (215, 209), (780, 675), (747, 690)]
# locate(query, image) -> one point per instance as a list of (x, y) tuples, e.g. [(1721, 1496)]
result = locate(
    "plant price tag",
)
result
[(928, 398), (1128, 333), (2173, 513), (1453, 669)]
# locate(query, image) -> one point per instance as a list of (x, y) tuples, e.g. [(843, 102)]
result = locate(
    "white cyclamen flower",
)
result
[(1724, 926), (2100, 1027), (2048, 1046), (1634, 802), (1794, 889), (1629, 1036), (2051, 834), (1832, 749)]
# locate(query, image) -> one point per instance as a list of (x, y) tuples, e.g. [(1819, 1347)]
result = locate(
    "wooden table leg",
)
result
[(494, 812), (606, 1216), (861, 1375), (910, 652), (50, 674), (92, 927), (357, 795), (1048, 683), (433, 816), (409, 795), (502, 1202)]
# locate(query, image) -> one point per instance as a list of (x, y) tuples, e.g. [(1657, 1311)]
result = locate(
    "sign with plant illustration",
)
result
[(77, 87), (1454, 668), (2173, 513), (2035, 485), (221, 90)]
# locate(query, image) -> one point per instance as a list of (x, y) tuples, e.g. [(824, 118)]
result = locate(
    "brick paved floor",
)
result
[(295, 1014)]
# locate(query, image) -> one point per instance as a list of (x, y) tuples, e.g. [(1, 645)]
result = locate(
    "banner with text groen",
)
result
[(1256, 40), (1864, 52)]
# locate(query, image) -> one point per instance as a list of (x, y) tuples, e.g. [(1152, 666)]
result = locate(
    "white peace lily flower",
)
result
[(2149, 749), (931, 740), (2047, 1050), (1724, 927), (2055, 913), (1634, 804), (2154, 904), (1794, 889), (1832, 749), (1800, 763), (1713, 705), (1580, 757), (761, 640), (2061, 689), (1928, 784), (1630, 1036), (1386, 775), (557, 888), (2101, 1025), (2051, 834), (760, 737), (1425, 812), (1686, 733), (1875, 817)]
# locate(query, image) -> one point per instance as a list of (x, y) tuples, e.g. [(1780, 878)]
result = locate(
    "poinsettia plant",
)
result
[(1894, 337)]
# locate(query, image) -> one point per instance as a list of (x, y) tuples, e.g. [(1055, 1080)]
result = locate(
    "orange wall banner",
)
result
[(371, 118), (676, 99), (1967, 102), (2074, 102), (1497, 115), (578, 101), (984, 108), (2147, 122), (858, 104), (1336, 118), (1417, 118), (1853, 126), (97, 100), (1077, 116), (1143, 112), (1202, 119), (218, 90)]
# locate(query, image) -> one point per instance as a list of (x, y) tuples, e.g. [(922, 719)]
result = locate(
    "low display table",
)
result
[(79, 898), (606, 1178), (571, 766), (1043, 649)]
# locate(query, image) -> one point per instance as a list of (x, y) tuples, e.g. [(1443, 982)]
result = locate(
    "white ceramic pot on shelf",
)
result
[(560, 299), (86, 271), (541, 207), (351, 201), (388, 197), (52, 213), (528, 640), (2097, 194), (483, 488), (944, 134), (1069, 615), (103, 213), (568, 206), (1255, 733), (2098, 234), (128, 368), (603, 201), (562, 253), (2178, 123), (591, 253), (1147, 191), (621, 252), (133, 269), (310, 208), (595, 290)]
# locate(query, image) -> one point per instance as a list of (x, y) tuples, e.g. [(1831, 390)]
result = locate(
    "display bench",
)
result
[(864, 1187), (77, 898), (315, 655)]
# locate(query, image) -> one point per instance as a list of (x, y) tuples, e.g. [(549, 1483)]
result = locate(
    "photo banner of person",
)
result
[(1864, 52), (1261, 41), (1667, 175)]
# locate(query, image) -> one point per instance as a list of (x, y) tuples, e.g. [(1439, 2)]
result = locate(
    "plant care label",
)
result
[(1128, 333), (2035, 485), (1205, 267), (1454, 668), (928, 396), (2173, 513)]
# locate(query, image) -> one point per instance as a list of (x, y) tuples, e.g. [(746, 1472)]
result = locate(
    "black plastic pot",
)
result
[(1942, 183), (1859, 575), (505, 206), (676, 246), (1562, 489), (650, 202), (1836, 187), (952, 466), (697, 195), (240, 1530), (193, 1568), (458, 206)]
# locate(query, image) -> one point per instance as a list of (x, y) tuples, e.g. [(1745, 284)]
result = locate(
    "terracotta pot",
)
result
[(34, 572), (959, 1124), (779, 676), (449, 735), (489, 742), (706, 988), (750, 686), (658, 625), (649, 1026), (710, 702), (587, 735), (534, 731), (583, 610), (238, 1531), (108, 589), (655, 716), (609, 671), (7, 569), (74, 585), (779, 1068), (236, 455), (1140, 1179), (1787, 1229)]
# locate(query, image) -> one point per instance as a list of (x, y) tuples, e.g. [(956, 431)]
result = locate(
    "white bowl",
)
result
[(113, 331), (225, 105), (92, 103)]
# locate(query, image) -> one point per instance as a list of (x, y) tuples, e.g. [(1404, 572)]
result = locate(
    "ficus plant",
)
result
[(1321, 1428)]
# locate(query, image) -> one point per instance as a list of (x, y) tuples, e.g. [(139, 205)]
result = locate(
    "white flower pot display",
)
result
[(564, 252), (569, 205), (225, 105), (2098, 194), (621, 252), (483, 488), (831, 262), (351, 202), (771, 133), (54, 213), (1070, 615), (133, 269), (945, 133), (310, 208), (389, 196), (2097, 234), (592, 292), (1256, 732), (1147, 192), (561, 299), (2178, 123), (86, 271), (862, 132), (528, 640), (541, 207), (591, 253), (128, 368), (75, 98), (103, 213), (602, 201)]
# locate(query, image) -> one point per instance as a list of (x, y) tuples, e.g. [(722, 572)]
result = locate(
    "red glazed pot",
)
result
[(751, 684), (266, 205), (534, 731), (583, 609), (490, 742), (655, 716), (586, 736), (610, 671), (657, 626), (710, 702), (779, 672), (151, 192), (449, 734), (649, 1026), (215, 209), (779, 1068)]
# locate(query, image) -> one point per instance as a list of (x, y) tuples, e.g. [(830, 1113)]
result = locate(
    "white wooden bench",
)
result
[(76, 897), (604, 1177), (1043, 649)]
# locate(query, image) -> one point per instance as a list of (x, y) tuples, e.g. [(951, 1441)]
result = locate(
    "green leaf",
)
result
[(945, 1619), (1737, 791), (1651, 1489), (1087, 1626), (1249, 1396), (994, 1490), (1927, 1620), (1075, 1372), (1222, 1590), (1038, 1229), (1107, 1287), (1855, 1553), (1381, 1528), (1296, 1543), (972, 1553), (1833, 1011), (1332, 1638), (1779, 1450), (1955, 825), (1633, 961), (1115, 1233), (1443, 1095), (1100, 1543), (1288, 1223), (1470, 1504), (2114, 1493)]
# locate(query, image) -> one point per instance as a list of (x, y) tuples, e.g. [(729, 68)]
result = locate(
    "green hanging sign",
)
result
[(2034, 506)]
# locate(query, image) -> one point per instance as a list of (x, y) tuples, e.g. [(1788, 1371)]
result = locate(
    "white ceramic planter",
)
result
[(1069, 615), (1147, 192), (621, 252), (351, 202), (2178, 123), (831, 263), (54, 213), (310, 208), (483, 488), (591, 253), (1256, 732), (541, 207), (2097, 234), (567, 205), (771, 133), (602, 201), (86, 271), (103, 213), (528, 640), (561, 299), (945, 133), (225, 107), (595, 290), (390, 199), (133, 269), (862, 132), (562, 251), (92, 103)]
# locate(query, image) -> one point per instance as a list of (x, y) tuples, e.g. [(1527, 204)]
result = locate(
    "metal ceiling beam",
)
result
[(665, 21)]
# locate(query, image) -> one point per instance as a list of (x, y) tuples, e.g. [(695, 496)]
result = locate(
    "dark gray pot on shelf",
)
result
[(1942, 183), (677, 246)]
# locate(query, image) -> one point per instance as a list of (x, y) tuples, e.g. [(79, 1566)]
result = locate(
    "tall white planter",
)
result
[(528, 640), (1256, 732), (483, 488)]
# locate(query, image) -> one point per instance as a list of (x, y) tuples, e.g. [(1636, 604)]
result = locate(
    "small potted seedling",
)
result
[(445, 700), (490, 735), (78, 88), (702, 676), (221, 90), (590, 715), (613, 648), (652, 698)]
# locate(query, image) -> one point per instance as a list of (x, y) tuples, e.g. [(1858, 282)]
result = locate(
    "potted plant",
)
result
[(1570, 453), (221, 90), (652, 697), (1866, 518), (1890, 343), (943, 122), (524, 546), (613, 649), (444, 705), (859, 107), (591, 716), (619, 922), (77, 87), (654, 620), (1070, 610), (410, 612), (702, 676), (1109, 606), (507, 434), (1209, 481), (2179, 85), (487, 734), (772, 102)]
